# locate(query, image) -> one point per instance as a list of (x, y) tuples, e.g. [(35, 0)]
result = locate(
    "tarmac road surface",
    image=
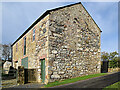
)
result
[(97, 82)]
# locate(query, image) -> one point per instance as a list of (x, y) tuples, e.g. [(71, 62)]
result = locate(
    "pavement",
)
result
[(97, 82)]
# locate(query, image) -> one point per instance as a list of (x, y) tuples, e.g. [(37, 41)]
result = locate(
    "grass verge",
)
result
[(56, 83), (115, 86)]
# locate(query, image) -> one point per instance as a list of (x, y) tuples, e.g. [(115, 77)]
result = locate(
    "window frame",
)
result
[(16, 47), (33, 34), (24, 46)]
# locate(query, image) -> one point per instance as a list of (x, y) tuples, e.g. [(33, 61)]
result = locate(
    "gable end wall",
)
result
[(74, 44)]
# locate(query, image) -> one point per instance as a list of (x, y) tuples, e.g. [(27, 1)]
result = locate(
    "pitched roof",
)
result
[(45, 14)]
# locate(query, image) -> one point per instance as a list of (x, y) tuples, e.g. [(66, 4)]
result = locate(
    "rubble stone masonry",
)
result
[(69, 41), (74, 44), (35, 50)]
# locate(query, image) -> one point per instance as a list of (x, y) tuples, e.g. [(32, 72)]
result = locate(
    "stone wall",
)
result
[(20, 76), (69, 41), (35, 50), (113, 69), (42, 47), (74, 44)]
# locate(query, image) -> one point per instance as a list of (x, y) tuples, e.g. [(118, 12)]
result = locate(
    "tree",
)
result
[(111, 57), (6, 53), (104, 56)]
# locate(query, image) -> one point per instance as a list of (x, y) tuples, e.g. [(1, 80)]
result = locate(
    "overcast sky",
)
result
[(17, 17)]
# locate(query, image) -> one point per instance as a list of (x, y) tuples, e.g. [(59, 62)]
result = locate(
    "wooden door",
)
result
[(43, 70)]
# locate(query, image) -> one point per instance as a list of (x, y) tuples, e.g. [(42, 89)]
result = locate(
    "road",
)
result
[(97, 82)]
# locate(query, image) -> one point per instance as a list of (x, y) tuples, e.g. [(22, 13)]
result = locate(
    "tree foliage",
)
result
[(104, 56), (112, 58)]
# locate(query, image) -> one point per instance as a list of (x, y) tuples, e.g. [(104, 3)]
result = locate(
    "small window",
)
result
[(33, 34), (24, 45), (16, 47)]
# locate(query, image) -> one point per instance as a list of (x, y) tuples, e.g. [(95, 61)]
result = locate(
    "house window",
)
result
[(24, 45), (16, 47), (33, 34)]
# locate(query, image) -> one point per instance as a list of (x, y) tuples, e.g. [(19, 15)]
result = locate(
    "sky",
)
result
[(18, 16)]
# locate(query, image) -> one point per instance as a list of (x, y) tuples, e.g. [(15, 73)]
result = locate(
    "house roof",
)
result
[(45, 14)]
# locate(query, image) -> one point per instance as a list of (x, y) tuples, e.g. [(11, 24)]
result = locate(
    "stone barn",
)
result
[(62, 43)]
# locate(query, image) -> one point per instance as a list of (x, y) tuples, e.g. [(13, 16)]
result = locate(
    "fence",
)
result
[(114, 69)]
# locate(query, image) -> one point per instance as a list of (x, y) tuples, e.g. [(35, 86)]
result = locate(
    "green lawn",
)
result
[(73, 80), (115, 86)]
